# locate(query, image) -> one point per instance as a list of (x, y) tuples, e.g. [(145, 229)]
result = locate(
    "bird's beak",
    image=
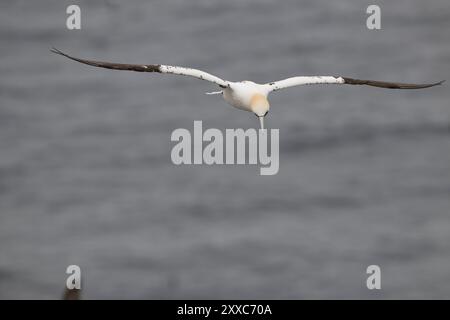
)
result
[(261, 121)]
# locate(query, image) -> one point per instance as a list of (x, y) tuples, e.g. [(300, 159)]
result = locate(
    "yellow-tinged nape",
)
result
[(259, 104)]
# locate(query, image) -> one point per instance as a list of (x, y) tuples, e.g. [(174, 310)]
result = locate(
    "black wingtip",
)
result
[(437, 83), (57, 51), (54, 50)]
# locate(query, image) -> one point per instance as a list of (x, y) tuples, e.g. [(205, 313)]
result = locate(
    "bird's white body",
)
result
[(248, 96)]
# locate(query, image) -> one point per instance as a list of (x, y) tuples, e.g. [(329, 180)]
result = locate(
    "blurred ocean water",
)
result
[(86, 176)]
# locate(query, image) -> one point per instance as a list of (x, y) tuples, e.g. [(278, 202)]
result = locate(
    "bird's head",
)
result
[(260, 107)]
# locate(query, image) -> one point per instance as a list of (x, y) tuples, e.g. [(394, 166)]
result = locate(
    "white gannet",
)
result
[(246, 95)]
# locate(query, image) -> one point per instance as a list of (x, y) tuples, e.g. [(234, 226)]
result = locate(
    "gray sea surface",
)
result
[(86, 176)]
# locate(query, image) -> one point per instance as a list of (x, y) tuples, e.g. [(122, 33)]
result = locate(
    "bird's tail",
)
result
[(214, 92)]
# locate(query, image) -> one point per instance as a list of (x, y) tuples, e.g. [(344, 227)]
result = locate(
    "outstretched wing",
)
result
[(150, 68), (298, 81)]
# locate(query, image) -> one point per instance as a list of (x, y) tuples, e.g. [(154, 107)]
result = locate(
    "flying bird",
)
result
[(247, 95)]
